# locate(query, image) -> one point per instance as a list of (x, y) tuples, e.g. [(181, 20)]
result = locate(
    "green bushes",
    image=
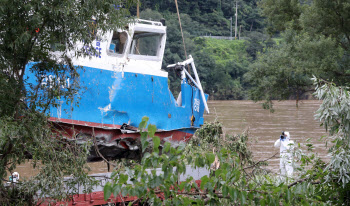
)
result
[(236, 181)]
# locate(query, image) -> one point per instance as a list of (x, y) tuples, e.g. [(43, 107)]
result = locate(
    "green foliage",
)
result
[(155, 180), (209, 132), (210, 136), (30, 32), (334, 116), (16, 196), (212, 16), (315, 42), (281, 14), (333, 18), (225, 51), (222, 64), (255, 45), (55, 159), (285, 70)]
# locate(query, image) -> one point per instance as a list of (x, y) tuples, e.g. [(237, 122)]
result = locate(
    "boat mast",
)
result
[(138, 9)]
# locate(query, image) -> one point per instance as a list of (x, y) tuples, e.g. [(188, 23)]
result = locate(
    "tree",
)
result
[(314, 42), (212, 15), (30, 32), (221, 66), (281, 14), (284, 71), (334, 116), (254, 44)]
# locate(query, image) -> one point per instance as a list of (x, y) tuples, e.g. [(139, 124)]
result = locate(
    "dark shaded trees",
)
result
[(213, 15), (315, 42), (29, 32)]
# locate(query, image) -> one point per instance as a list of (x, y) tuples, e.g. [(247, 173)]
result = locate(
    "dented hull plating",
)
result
[(116, 143)]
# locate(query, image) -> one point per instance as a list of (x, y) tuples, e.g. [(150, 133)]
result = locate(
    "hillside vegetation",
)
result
[(258, 68), (221, 63), (230, 60)]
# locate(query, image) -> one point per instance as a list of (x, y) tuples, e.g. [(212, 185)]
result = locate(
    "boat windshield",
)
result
[(145, 43)]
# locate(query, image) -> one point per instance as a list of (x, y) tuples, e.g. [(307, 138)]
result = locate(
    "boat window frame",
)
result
[(125, 48), (159, 36), (152, 30)]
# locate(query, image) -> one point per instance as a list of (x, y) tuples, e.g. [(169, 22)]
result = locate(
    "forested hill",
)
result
[(221, 63), (212, 16), (283, 45)]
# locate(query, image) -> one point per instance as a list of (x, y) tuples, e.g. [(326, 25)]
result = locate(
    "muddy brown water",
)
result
[(264, 128)]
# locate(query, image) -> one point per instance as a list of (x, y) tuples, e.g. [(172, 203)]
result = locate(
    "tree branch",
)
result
[(303, 180), (261, 161), (98, 151)]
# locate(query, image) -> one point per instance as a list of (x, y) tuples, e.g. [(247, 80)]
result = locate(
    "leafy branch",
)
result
[(156, 179)]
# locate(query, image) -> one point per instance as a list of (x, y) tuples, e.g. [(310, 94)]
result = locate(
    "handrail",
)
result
[(196, 81), (148, 22)]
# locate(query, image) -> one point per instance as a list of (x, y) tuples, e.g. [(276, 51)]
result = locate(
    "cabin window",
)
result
[(145, 43), (118, 42)]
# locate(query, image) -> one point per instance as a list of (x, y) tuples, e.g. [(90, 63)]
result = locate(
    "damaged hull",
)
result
[(115, 143)]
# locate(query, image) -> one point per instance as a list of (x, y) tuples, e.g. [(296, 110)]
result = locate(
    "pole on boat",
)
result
[(199, 83), (138, 9)]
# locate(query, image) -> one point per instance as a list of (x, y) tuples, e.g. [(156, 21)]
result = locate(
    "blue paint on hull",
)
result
[(115, 98)]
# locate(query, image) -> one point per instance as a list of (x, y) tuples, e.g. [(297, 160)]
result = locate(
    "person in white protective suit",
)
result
[(286, 151), (15, 177)]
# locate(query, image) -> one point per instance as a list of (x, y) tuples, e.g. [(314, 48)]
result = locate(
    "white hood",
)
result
[(285, 144)]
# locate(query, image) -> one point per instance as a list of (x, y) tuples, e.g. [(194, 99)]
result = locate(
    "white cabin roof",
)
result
[(132, 58)]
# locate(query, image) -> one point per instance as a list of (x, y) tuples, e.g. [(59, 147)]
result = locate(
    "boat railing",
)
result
[(154, 23), (195, 81)]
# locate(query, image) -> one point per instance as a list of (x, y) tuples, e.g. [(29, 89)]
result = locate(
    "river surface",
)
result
[(264, 128)]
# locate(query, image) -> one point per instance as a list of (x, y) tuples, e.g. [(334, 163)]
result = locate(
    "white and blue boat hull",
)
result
[(119, 89)]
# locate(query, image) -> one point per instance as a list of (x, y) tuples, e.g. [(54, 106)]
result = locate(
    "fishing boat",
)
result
[(122, 81)]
